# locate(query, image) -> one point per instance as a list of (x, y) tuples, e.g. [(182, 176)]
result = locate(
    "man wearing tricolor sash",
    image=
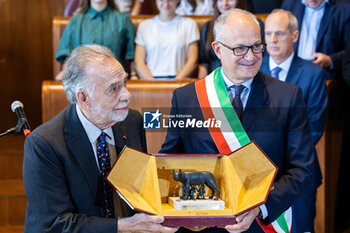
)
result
[(249, 106)]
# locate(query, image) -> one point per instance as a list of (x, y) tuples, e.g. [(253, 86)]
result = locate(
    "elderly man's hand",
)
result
[(243, 221), (321, 59), (143, 223)]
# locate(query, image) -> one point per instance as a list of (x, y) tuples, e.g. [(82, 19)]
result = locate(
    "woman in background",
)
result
[(166, 45), (195, 7), (207, 58), (98, 22)]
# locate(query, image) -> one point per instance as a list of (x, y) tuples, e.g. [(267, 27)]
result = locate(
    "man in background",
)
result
[(281, 32)]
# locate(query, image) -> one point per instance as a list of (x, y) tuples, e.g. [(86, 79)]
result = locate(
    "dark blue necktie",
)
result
[(236, 102), (105, 166), (275, 72)]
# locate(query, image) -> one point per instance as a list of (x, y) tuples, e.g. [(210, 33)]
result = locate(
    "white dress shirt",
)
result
[(309, 30), (245, 93), (284, 66), (93, 132)]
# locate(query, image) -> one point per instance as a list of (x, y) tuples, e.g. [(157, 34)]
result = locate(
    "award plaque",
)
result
[(146, 182)]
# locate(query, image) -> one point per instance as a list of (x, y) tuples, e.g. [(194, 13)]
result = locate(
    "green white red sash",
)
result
[(283, 224), (215, 104)]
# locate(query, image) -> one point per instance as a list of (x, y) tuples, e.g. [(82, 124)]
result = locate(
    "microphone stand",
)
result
[(10, 131)]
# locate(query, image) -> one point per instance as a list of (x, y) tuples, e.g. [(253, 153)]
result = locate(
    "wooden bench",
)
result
[(60, 23)]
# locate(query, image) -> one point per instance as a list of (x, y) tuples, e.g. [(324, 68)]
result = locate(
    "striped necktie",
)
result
[(275, 72), (237, 102)]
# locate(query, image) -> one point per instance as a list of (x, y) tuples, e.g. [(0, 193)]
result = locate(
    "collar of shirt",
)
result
[(284, 66), (322, 5), (92, 131), (93, 14), (245, 92)]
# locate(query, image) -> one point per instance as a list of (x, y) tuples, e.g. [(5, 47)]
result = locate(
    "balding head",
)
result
[(238, 44), (281, 32), (236, 19)]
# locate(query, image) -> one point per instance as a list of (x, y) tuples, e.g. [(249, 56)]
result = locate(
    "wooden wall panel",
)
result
[(25, 55)]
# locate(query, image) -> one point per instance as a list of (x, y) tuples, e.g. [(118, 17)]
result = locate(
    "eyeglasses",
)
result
[(243, 50)]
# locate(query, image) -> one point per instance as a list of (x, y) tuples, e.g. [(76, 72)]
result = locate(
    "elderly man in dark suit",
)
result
[(252, 106), (281, 32), (66, 160)]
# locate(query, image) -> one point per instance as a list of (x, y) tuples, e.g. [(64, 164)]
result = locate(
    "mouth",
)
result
[(248, 65), (124, 108)]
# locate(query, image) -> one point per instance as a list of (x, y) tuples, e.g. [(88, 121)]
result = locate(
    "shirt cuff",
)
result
[(263, 210)]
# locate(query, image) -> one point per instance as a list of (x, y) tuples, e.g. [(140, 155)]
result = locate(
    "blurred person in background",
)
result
[(166, 45), (98, 22)]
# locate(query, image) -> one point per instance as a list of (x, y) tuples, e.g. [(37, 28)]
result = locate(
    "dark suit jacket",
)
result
[(276, 119), (263, 7), (61, 176), (312, 80), (333, 32)]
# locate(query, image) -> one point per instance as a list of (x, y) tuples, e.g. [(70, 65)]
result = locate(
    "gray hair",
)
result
[(76, 69), (292, 20), (221, 21)]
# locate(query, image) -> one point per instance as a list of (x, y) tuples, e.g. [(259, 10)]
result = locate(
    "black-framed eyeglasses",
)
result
[(243, 50)]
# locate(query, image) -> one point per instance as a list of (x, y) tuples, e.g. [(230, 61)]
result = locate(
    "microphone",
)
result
[(22, 124)]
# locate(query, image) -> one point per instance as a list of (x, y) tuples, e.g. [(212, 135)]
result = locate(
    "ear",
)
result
[(217, 49), (295, 36), (82, 99)]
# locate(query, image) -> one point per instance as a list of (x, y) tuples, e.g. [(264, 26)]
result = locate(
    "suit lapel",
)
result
[(294, 71), (79, 144), (299, 14), (257, 97), (265, 65), (120, 136), (326, 19)]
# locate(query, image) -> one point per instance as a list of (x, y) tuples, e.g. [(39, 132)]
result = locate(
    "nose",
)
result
[(249, 55), (124, 94), (273, 37)]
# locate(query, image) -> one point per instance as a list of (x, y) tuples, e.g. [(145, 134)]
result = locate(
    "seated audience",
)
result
[(98, 22), (166, 45), (281, 32), (208, 61), (195, 7)]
